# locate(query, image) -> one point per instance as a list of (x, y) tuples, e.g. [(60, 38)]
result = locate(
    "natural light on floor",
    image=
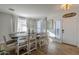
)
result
[(50, 34)]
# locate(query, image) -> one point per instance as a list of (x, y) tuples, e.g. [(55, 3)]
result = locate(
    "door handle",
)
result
[(62, 30)]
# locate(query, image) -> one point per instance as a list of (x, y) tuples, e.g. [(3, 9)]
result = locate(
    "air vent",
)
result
[(11, 9)]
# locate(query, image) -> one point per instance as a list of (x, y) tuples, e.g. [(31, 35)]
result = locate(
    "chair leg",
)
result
[(17, 50), (40, 44)]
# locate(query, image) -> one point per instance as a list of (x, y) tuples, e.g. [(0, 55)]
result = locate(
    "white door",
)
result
[(69, 27)]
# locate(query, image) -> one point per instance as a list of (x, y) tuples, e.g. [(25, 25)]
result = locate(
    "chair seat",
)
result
[(22, 43), (11, 41), (11, 47)]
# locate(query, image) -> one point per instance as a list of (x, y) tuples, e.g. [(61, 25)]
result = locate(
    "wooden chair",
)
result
[(10, 44), (22, 45), (42, 39), (32, 42)]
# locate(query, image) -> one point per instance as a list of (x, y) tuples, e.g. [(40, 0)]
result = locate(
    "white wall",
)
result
[(77, 31), (5, 25)]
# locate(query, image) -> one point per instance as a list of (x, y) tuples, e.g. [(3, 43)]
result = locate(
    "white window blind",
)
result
[(21, 24)]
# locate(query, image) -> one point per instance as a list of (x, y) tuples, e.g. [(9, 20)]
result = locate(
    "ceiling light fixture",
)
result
[(66, 6)]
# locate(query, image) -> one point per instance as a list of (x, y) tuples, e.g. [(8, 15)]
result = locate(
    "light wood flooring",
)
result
[(55, 48)]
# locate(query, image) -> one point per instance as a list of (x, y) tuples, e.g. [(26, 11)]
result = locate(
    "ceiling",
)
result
[(33, 9), (29, 9)]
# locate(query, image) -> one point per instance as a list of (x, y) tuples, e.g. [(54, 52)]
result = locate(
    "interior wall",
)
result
[(5, 25), (77, 31)]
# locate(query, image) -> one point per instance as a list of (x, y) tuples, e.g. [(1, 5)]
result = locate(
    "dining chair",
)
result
[(32, 42), (10, 44), (42, 39), (22, 45)]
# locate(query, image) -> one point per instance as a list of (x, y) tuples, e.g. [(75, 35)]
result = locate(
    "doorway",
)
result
[(54, 30)]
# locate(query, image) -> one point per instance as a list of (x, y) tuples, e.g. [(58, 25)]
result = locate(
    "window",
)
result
[(39, 26), (21, 24)]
